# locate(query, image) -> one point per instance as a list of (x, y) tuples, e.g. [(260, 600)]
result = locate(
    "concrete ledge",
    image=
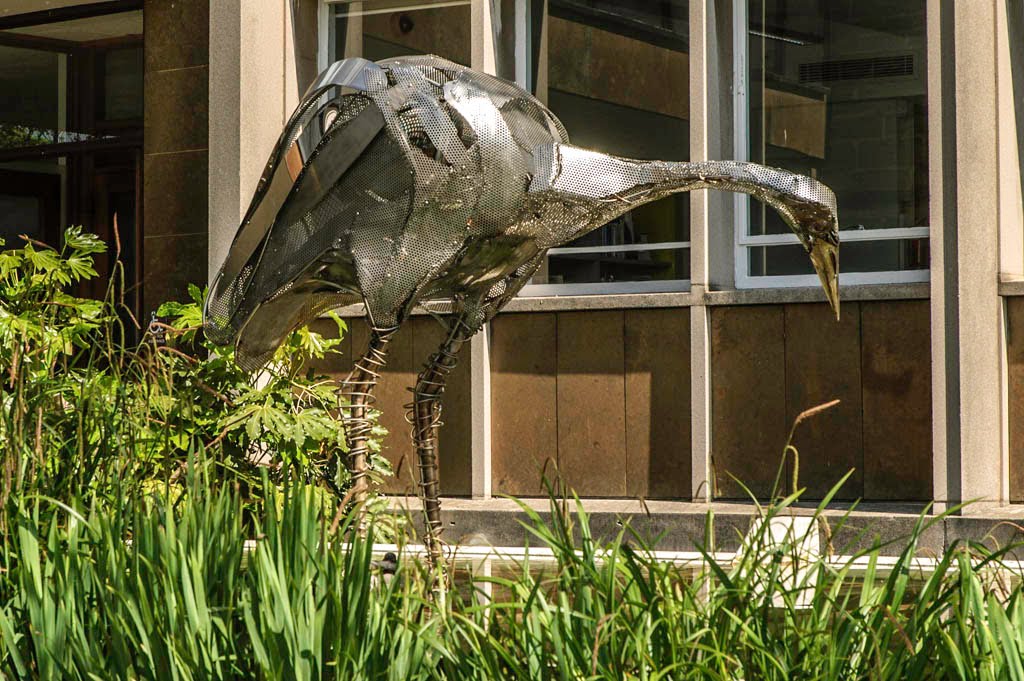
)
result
[(628, 301), (681, 526), (775, 296), (601, 302), (1011, 288)]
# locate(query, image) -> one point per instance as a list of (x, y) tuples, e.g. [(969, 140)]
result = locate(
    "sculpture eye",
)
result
[(328, 117)]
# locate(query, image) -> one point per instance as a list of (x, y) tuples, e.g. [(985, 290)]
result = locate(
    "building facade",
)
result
[(666, 355)]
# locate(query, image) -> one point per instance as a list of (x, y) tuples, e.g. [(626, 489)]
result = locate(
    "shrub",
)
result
[(85, 414)]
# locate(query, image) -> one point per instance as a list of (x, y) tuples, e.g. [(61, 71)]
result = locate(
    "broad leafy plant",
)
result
[(63, 400), (85, 413), (286, 416)]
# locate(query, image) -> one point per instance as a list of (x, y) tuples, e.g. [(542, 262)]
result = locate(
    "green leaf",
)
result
[(82, 242), (9, 261), (45, 260)]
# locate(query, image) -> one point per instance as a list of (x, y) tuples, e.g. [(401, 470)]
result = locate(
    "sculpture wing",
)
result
[(304, 205)]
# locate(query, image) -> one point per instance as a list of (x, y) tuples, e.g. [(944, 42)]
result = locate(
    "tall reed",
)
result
[(146, 588)]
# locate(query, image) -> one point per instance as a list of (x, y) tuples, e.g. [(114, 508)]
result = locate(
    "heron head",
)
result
[(825, 258), (816, 224)]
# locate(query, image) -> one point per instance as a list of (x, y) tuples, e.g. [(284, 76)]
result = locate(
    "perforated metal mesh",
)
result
[(454, 193)]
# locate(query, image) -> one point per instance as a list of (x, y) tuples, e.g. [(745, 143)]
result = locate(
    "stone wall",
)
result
[(175, 161)]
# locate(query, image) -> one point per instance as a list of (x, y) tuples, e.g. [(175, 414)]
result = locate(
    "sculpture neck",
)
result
[(612, 186)]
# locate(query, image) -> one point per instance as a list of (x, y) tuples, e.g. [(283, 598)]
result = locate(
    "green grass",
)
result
[(154, 590)]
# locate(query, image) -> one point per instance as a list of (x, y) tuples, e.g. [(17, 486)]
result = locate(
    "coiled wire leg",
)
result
[(424, 414), (357, 391)]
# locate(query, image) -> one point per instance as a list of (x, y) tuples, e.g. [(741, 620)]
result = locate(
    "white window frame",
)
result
[(745, 241)]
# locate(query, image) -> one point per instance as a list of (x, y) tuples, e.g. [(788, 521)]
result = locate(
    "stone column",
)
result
[(174, 150), (262, 57), (482, 57), (965, 218), (711, 219)]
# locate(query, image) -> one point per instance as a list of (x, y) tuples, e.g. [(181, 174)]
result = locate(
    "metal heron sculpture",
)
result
[(419, 181)]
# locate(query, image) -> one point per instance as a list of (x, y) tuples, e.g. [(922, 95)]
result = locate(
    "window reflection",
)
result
[(618, 78), (837, 91), (31, 85), (383, 29), (71, 110)]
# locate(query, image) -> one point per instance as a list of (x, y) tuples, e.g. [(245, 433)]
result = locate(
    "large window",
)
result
[(835, 90), (615, 72), (71, 109)]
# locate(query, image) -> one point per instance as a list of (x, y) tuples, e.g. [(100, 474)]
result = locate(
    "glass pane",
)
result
[(383, 29), (891, 255), (121, 72), (618, 78), (1015, 34), (81, 80), (612, 266), (33, 92), (837, 91), (30, 200)]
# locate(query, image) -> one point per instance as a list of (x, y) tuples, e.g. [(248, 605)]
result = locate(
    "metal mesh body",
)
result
[(415, 180)]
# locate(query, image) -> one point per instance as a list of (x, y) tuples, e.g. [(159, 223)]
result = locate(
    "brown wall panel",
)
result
[(657, 362), (175, 187), (822, 364), (176, 33), (171, 263), (455, 437), (896, 369), (523, 401), (177, 101), (748, 398), (591, 402), (1015, 388)]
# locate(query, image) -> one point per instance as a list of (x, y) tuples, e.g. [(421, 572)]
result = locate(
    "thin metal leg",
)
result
[(425, 416), (357, 390)]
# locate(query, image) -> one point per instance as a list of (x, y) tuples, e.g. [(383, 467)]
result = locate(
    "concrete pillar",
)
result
[(480, 415), (482, 15), (712, 233), (224, 202), (483, 56), (965, 212), (262, 57), (702, 138)]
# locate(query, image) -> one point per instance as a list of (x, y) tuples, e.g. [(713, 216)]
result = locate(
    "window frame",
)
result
[(744, 241)]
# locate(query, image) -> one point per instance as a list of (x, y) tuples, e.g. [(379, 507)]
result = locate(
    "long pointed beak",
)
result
[(825, 257)]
